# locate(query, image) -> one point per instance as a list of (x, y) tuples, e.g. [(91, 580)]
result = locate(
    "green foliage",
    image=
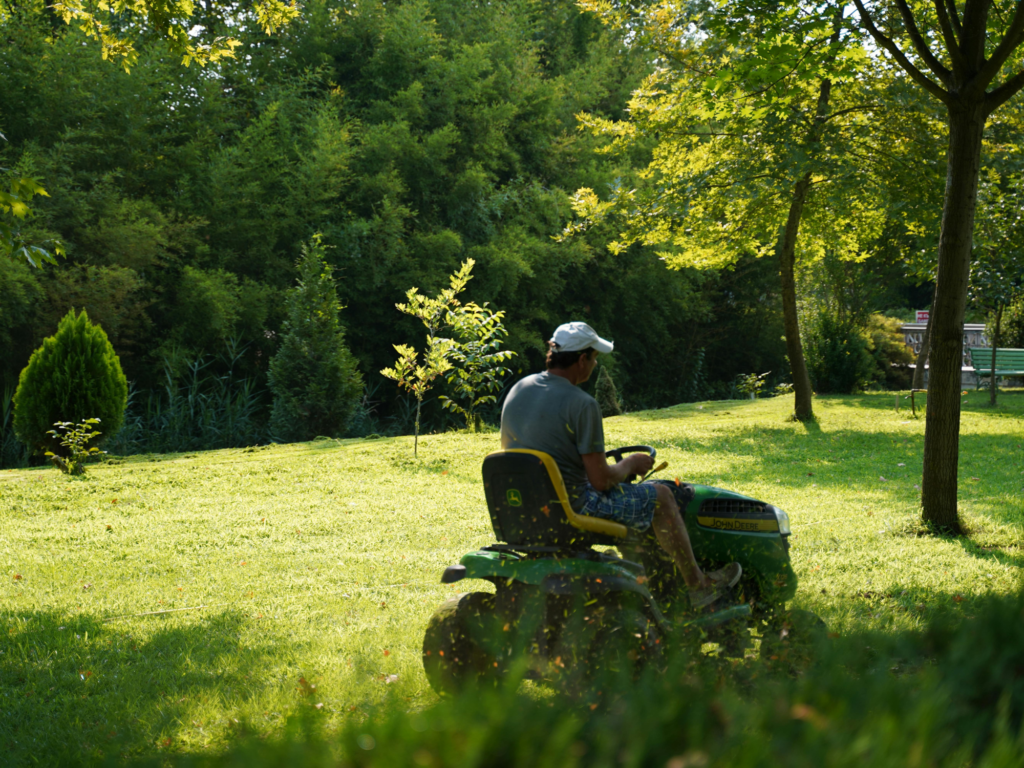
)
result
[(838, 359), (74, 440), (202, 408), (997, 264), (1012, 326), (732, 140), (849, 347), (73, 376), (103, 22), (476, 356), (211, 303), (786, 388), (435, 314), (413, 135), (12, 452), (114, 296), (20, 298), (417, 379), (606, 395), (751, 384), (14, 205), (890, 352), (314, 378), (100, 21)]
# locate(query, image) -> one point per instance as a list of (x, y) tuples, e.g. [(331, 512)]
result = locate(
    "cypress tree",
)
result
[(606, 395), (313, 376), (75, 375)]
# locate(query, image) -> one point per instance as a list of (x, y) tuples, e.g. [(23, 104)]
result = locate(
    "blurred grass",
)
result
[(320, 562)]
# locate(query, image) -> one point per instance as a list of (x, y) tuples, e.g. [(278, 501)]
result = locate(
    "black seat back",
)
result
[(529, 504)]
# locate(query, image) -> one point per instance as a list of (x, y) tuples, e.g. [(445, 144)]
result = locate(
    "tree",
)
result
[(74, 376), (314, 377), (116, 25), (476, 357), (762, 132), (974, 40), (998, 266), (14, 209), (1012, 330), (435, 313), (606, 395)]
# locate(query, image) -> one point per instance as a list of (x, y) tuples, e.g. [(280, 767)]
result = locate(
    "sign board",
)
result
[(921, 316)]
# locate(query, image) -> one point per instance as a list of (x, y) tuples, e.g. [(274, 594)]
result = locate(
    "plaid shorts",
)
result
[(631, 505)]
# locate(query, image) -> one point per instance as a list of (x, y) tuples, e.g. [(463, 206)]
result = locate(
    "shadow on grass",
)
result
[(1007, 555), (683, 410), (75, 689), (913, 597), (811, 427)]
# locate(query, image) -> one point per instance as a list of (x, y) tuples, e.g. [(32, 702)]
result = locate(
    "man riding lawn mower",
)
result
[(570, 611)]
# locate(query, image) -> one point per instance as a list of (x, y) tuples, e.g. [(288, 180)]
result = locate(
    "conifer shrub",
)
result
[(606, 394), (890, 353), (313, 376), (74, 376)]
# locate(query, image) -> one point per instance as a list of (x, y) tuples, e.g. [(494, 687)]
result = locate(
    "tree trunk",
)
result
[(416, 433), (995, 345), (942, 424), (803, 410), (922, 355)]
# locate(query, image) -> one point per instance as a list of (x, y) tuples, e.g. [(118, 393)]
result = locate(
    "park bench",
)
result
[(1009, 362)]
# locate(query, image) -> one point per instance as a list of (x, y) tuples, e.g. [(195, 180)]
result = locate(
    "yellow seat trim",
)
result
[(583, 522)]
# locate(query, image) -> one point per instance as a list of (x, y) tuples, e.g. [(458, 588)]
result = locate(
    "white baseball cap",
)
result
[(576, 337)]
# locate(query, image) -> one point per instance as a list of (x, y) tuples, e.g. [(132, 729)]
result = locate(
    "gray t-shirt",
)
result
[(547, 413)]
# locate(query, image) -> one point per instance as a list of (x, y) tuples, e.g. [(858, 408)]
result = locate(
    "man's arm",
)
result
[(603, 475)]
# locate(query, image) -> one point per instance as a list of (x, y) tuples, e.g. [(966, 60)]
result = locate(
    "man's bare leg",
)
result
[(673, 538)]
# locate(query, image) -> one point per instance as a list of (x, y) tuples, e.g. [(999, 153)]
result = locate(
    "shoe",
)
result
[(722, 581), (728, 576)]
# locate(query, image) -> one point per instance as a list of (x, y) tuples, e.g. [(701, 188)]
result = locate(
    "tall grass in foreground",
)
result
[(950, 695)]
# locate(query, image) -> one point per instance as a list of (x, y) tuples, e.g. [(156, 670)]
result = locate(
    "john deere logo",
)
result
[(514, 497)]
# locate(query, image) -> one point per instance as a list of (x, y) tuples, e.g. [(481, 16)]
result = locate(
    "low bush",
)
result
[(890, 353), (838, 358), (73, 376), (74, 439)]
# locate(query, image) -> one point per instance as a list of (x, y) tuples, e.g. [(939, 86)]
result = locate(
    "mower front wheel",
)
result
[(452, 658)]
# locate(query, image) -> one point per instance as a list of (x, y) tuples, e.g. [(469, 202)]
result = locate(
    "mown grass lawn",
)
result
[(169, 603)]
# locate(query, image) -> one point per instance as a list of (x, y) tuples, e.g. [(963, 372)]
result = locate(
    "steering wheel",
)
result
[(617, 453)]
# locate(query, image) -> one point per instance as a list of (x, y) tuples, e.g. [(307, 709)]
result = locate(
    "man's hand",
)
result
[(603, 475), (640, 463)]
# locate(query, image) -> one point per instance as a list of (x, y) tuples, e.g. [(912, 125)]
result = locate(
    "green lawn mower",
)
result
[(564, 611)]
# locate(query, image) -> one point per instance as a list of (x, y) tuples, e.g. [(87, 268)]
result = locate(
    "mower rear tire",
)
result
[(452, 658)]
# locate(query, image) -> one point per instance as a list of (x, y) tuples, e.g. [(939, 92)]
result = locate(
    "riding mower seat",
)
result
[(530, 508)]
